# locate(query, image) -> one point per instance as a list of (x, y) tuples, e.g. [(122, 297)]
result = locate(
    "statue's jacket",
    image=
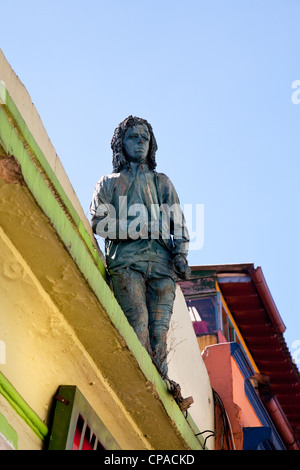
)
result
[(124, 202)]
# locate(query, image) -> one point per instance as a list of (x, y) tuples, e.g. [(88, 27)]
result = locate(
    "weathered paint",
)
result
[(75, 320), (69, 404), (22, 408), (201, 282), (17, 140), (8, 433)]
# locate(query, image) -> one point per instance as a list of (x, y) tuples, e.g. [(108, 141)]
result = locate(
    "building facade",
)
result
[(240, 334), (73, 373)]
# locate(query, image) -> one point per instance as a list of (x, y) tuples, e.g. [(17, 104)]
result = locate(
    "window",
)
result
[(209, 315), (76, 426), (84, 438), (228, 328), (203, 314)]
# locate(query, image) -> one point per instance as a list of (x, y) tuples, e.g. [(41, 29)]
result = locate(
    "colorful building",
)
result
[(73, 374), (240, 334)]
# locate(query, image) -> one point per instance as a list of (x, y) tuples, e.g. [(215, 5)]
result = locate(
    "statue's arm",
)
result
[(103, 214), (105, 220), (179, 229)]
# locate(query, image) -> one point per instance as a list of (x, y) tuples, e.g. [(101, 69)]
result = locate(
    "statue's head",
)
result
[(120, 157)]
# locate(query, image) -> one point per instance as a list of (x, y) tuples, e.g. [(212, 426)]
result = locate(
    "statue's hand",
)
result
[(182, 267)]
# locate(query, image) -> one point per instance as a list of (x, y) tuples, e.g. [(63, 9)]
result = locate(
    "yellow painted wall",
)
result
[(43, 292), (27, 439), (42, 352)]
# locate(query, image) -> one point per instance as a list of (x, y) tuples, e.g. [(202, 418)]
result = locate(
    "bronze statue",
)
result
[(137, 211)]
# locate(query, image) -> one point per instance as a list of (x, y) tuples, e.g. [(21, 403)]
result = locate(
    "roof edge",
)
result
[(260, 283), (265, 294), (224, 268)]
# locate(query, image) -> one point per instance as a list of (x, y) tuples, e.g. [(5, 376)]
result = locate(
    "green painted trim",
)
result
[(17, 123), (8, 432), (42, 190), (22, 408), (60, 428), (53, 207)]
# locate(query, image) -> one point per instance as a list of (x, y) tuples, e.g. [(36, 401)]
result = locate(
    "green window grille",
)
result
[(75, 424)]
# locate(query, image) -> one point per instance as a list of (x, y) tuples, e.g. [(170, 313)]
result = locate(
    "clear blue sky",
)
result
[(214, 78)]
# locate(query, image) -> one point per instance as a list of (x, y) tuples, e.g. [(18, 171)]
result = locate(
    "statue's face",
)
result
[(136, 142)]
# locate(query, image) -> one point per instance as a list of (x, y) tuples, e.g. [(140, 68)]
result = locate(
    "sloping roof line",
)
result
[(265, 294), (257, 317)]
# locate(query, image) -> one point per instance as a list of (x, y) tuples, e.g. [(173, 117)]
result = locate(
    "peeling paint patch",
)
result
[(10, 170)]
